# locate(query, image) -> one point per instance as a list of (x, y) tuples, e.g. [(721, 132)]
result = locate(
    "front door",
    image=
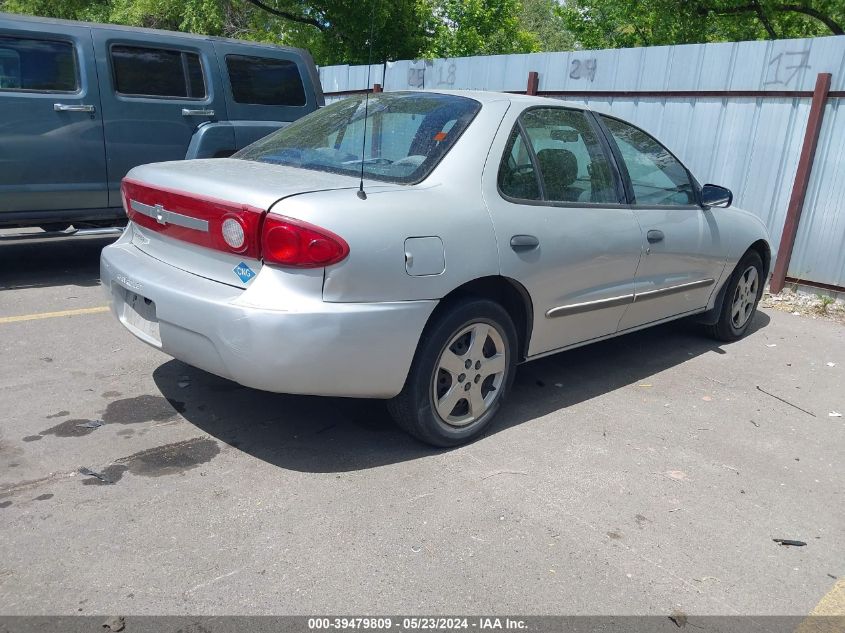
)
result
[(51, 124), (157, 90), (683, 250), (556, 201)]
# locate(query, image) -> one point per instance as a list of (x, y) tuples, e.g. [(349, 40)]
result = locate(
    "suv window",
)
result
[(265, 81), (156, 72), (573, 165), (37, 65), (657, 177)]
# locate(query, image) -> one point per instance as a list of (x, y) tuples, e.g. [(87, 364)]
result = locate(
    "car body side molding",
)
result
[(586, 306), (612, 302), (670, 290)]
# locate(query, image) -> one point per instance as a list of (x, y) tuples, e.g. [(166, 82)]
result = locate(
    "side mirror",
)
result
[(716, 196)]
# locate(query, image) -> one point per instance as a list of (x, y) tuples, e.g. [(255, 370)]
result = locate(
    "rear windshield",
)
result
[(406, 136)]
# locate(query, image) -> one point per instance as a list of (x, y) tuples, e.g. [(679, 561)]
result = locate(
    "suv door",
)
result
[(51, 153), (684, 252), (563, 229), (156, 91)]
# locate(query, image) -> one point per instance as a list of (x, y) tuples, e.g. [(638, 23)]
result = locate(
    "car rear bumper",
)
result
[(309, 347)]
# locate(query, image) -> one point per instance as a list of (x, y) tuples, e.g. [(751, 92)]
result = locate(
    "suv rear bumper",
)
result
[(312, 347)]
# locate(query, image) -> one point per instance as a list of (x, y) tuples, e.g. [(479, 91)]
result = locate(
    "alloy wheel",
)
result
[(745, 297), (469, 374)]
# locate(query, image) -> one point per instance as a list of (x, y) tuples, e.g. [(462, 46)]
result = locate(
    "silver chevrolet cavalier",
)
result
[(417, 246)]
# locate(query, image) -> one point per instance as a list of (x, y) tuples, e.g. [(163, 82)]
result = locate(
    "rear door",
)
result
[(51, 126), (265, 83), (562, 227), (683, 249), (156, 90)]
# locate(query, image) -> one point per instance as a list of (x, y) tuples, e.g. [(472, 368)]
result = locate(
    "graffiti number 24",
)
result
[(583, 69)]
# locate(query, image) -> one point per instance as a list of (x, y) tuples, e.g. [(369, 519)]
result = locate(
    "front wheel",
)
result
[(741, 297), (461, 373)]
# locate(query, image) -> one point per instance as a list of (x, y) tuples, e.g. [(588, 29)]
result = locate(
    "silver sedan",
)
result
[(417, 246)]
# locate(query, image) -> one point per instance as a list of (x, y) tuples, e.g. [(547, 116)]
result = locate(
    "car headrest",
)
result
[(559, 167)]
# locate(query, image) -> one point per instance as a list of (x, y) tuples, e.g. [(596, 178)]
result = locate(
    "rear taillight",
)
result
[(289, 242), (218, 224), (230, 227)]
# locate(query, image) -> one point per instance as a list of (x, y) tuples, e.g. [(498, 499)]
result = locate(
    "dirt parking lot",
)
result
[(638, 476)]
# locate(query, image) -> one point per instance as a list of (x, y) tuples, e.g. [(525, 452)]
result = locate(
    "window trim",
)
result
[(183, 65), (623, 168), (293, 62), (58, 40), (621, 194)]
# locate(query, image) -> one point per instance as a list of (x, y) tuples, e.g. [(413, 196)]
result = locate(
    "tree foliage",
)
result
[(479, 27), (627, 23), (338, 31)]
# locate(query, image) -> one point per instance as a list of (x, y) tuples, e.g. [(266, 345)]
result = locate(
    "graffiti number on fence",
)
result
[(583, 69), (416, 77), (784, 67), (446, 78), (445, 74)]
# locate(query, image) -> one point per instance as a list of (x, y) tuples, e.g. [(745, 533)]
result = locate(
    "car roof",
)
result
[(139, 29), (489, 96)]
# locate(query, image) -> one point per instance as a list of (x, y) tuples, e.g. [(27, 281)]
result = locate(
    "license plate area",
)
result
[(139, 316)]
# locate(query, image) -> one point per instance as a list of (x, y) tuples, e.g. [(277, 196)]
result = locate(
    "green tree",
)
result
[(544, 19), (479, 27), (336, 31), (626, 23)]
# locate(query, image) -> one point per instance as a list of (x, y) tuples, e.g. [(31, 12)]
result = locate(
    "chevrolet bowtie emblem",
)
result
[(160, 214)]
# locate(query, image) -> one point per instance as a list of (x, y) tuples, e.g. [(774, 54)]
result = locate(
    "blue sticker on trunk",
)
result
[(244, 272)]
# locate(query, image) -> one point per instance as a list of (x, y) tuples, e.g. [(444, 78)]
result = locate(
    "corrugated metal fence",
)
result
[(735, 113)]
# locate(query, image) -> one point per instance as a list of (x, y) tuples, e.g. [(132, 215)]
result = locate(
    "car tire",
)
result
[(458, 381), (55, 227), (745, 287)]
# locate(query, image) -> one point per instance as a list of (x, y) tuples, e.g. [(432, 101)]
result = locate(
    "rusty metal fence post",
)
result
[(533, 83), (802, 180)]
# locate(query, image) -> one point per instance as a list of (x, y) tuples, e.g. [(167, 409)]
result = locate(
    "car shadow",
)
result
[(313, 434), (49, 262)]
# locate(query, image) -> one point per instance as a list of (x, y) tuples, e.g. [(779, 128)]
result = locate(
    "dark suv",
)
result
[(81, 104)]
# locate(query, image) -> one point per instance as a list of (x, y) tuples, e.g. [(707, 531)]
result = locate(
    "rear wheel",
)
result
[(741, 298), (462, 371)]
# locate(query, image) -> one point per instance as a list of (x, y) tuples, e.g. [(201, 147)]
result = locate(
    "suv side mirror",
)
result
[(716, 196)]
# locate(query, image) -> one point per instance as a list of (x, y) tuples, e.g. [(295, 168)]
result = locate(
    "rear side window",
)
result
[(264, 81), (156, 72), (566, 151), (37, 65), (517, 176)]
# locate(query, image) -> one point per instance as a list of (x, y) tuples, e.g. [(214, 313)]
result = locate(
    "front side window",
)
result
[(156, 72), (37, 65), (265, 81), (571, 161), (657, 177), (407, 134)]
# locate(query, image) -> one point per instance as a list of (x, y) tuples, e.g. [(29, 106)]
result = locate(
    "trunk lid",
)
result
[(179, 210)]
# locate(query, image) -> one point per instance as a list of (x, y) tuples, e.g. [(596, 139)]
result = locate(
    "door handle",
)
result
[(654, 236), (189, 112), (64, 107), (524, 242)]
